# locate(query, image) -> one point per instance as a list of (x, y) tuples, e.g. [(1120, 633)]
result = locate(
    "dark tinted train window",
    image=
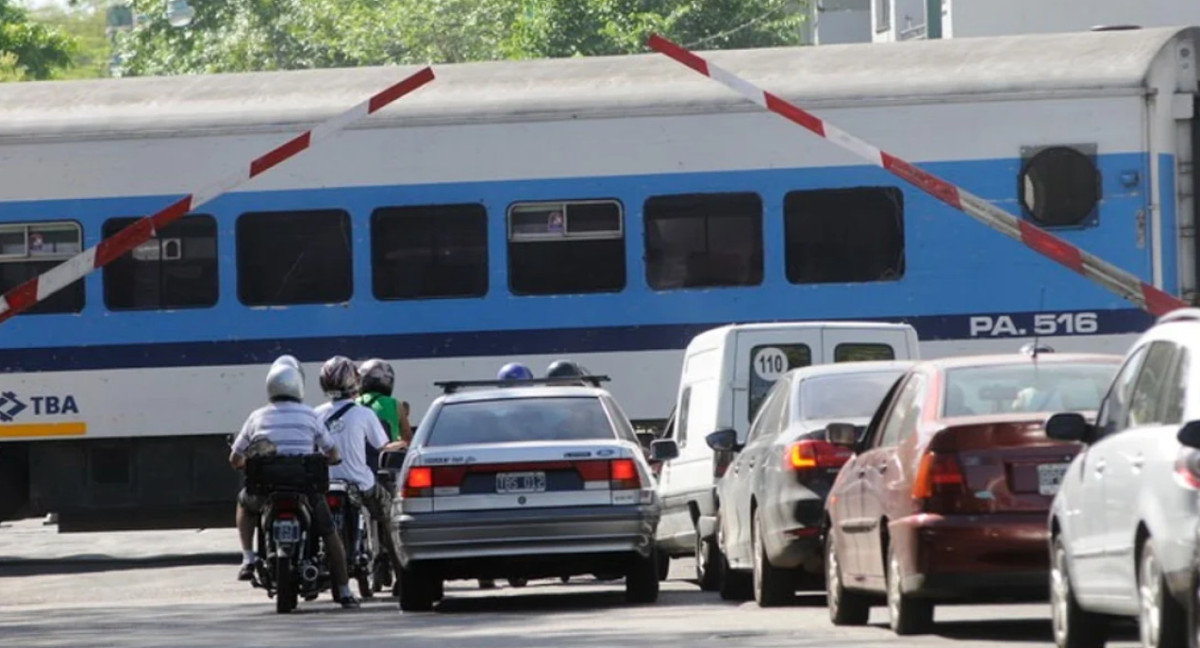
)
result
[(175, 269), (844, 235), (298, 257), (560, 248), (704, 240), (429, 251), (30, 249)]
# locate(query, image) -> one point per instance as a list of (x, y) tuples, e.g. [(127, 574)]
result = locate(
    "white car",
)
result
[(522, 481), (1123, 524)]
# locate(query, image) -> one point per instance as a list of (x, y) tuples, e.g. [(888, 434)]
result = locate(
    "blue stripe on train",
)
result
[(505, 343)]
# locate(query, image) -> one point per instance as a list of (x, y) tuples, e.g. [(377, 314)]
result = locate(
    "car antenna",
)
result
[(1036, 335)]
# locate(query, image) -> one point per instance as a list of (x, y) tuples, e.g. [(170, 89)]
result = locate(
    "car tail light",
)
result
[(937, 474), (624, 474), (1187, 468), (419, 482), (810, 455)]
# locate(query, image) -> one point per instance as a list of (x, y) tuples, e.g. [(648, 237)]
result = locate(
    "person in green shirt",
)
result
[(378, 380)]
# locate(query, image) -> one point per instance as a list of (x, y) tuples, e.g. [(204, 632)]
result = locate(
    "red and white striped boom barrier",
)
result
[(1115, 279), (42, 286)]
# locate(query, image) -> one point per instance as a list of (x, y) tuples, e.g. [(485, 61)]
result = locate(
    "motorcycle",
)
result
[(353, 524), (289, 555)]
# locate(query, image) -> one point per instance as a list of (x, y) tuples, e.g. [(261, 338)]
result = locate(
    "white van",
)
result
[(727, 371)]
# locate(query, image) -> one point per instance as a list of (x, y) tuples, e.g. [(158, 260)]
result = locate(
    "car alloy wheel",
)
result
[(833, 580), (1060, 596), (1150, 600)]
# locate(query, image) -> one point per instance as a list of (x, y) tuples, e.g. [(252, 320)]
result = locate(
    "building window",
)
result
[(559, 248), (296, 257), (429, 251), (30, 249), (177, 268), (844, 235), (704, 240)]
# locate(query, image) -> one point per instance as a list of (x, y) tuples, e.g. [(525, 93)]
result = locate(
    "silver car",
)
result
[(525, 482), (1123, 524)]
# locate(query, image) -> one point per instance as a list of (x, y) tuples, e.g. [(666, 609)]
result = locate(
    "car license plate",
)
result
[(521, 482), (1049, 477), (286, 531)]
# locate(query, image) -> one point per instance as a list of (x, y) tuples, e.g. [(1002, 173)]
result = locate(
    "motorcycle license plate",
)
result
[(1050, 477), (286, 531), (521, 482)]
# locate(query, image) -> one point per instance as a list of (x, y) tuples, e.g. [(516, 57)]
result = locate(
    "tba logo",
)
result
[(10, 406)]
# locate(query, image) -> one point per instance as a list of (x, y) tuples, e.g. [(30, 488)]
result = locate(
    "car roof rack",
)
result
[(452, 386), (1180, 315)]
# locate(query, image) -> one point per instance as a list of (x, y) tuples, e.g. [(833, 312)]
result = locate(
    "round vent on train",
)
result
[(1059, 186)]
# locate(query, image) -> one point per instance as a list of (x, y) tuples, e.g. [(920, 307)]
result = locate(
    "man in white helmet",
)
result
[(287, 426)]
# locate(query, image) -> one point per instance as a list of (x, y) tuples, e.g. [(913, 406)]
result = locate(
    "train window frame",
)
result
[(518, 241), (214, 279), (76, 290), (242, 250), (676, 206), (840, 267), (426, 213)]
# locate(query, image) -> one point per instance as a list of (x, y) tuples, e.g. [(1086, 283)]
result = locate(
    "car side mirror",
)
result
[(1068, 426), (663, 449), (723, 441), (842, 434), (392, 460), (1189, 435)]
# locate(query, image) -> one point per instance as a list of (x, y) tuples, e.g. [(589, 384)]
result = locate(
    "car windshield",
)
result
[(1025, 387), (520, 419), (851, 395)]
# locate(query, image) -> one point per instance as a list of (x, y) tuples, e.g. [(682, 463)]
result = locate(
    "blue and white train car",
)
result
[(602, 209)]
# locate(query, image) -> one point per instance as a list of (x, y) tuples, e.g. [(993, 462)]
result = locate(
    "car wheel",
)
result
[(845, 607), (518, 582), (664, 565), (708, 566), (1073, 626), (1162, 621), (772, 586), (416, 591), (641, 581), (908, 615)]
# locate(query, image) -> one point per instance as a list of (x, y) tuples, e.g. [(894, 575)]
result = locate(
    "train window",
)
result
[(295, 257), (1059, 186), (177, 268), (844, 235), (429, 251), (29, 249), (560, 248), (704, 240)]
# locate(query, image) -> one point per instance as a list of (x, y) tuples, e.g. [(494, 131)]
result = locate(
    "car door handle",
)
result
[(1100, 467), (881, 468), (1136, 461)]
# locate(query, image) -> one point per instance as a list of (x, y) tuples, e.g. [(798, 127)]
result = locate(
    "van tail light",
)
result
[(624, 475), (938, 474), (1187, 468), (813, 455)]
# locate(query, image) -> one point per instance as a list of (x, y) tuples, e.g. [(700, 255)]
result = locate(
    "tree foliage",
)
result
[(246, 35), (29, 50), (84, 22)]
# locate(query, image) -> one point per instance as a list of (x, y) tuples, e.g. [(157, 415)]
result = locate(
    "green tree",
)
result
[(84, 22), (246, 35), (36, 51)]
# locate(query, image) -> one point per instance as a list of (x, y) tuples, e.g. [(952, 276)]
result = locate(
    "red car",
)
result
[(947, 495)]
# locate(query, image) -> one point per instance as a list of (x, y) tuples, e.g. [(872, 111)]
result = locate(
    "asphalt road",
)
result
[(55, 592)]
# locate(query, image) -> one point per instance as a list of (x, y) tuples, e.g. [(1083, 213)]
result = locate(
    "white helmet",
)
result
[(290, 360), (285, 382)]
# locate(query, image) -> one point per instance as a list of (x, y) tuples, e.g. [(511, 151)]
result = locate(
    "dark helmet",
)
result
[(564, 369), (514, 371), (377, 376), (339, 377)]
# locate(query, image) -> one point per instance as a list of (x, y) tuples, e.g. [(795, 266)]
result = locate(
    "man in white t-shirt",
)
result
[(352, 426)]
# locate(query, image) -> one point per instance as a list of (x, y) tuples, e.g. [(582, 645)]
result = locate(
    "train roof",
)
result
[(589, 87)]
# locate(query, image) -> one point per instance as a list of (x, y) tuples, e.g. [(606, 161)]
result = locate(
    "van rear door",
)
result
[(761, 358), (845, 344)]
